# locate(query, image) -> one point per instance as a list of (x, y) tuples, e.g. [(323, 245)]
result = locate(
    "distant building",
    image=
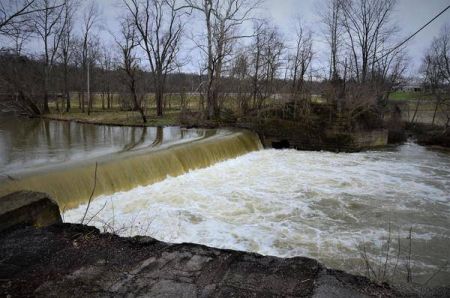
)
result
[(412, 84), (412, 88)]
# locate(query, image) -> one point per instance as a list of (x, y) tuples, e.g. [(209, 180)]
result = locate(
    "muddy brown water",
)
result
[(217, 187)]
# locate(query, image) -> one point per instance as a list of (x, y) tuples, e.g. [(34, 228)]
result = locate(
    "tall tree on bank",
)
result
[(159, 27), (436, 71), (266, 50), (331, 17), (300, 64), (128, 43), (365, 64), (368, 26), (301, 59), (67, 44), (90, 18), (49, 24), (222, 21)]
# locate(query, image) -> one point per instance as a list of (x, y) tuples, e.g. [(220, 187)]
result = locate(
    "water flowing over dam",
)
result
[(288, 203), (216, 187), (139, 161)]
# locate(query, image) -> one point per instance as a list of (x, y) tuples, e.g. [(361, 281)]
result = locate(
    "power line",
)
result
[(415, 33)]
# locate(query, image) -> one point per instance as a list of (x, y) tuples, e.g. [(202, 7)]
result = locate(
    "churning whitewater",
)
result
[(291, 203)]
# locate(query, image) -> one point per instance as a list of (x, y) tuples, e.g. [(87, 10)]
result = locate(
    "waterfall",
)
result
[(72, 185)]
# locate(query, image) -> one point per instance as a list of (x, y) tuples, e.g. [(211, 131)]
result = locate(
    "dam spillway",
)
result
[(285, 203), (133, 164), (289, 203)]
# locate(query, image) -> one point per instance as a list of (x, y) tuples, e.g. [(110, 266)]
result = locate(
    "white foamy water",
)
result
[(293, 203)]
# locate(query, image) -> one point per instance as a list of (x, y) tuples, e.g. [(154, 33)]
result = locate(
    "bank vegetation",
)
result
[(247, 71)]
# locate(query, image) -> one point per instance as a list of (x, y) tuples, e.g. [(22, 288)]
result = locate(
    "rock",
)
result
[(46, 262), (28, 208)]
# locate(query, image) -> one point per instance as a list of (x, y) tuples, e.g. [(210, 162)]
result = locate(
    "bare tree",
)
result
[(240, 72), (90, 18), (21, 78), (12, 13), (300, 62), (49, 25), (129, 64), (19, 35), (436, 70), (266, 48), (368, 27), (67, 45), (365, 64), (331, 16), (159, 26), (222, 20), (107, 78), (302, 57), (444, 52), (256, 49)]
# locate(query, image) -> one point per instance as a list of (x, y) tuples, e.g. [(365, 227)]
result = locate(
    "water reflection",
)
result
[(29, 143)]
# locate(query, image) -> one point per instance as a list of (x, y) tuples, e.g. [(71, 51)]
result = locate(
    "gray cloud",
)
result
[(409, 15)]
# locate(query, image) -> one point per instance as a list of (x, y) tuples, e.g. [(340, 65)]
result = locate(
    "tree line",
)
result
[(253, 68), (435, 70)]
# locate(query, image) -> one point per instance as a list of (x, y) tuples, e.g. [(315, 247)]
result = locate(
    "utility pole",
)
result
[(88, 84)]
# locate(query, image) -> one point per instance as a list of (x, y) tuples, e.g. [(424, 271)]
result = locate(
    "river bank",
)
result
[(274, 133), (429, 135), (277, 133), (75, 260), (64, 260)]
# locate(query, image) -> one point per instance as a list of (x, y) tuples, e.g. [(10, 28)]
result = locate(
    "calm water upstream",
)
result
[(284, 203), (26, 144)]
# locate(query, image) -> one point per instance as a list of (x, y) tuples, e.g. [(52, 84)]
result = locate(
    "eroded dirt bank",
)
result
[(74, 260)]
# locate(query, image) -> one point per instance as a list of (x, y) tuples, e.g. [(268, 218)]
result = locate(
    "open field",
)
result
[(425, 103), (425, 111), (409, 95), (120, 114)]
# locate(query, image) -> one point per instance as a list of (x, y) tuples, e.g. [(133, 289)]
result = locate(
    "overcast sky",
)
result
[(410, 15)]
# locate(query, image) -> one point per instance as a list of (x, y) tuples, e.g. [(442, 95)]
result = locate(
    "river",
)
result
[(27, 144), (338, 208)]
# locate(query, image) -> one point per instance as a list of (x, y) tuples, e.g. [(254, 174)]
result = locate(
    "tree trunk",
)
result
[(46, 109), (66, 88), (438, 102), (137, 106), (159, 101), (29, 103)]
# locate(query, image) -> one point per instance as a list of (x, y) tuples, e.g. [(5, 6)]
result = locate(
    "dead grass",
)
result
[(116, 117)]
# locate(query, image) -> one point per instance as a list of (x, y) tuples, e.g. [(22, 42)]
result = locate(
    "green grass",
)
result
[(409, 95), (116, 115)]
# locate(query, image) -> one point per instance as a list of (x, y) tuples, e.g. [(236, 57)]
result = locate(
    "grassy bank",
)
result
[(117, 117), (120, 115), (116, 114)]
